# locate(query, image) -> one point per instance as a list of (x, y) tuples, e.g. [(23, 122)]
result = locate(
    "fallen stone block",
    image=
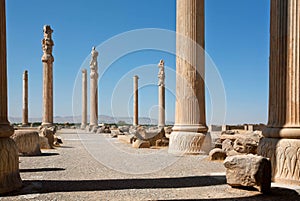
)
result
[(217, 154), (249, 170), (227, 145), (164, 142), (126, 138), (27, 142), (138, 143)]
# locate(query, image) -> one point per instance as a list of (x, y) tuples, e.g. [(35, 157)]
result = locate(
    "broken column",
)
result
[(47, 59), (161, 94), (10, 179), (25, 99), (94, 89), (135, 101), (84, 99), (282, 135), (190, 127)]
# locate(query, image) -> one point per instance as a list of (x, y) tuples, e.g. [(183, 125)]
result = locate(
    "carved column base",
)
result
[(186, 143), (10, 179), (285, 158)]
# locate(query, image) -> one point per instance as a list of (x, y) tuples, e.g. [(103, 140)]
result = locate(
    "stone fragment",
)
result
[(248, 170), (151, 134), (114, 133), (48, 132), (138, 143), (27, 142), (44, 144), (164, 142), (126, 138), (227, 145), (124, 129), (247, 143), (217, 154)]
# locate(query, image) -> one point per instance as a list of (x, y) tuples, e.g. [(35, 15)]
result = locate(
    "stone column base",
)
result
[(285, 158), (10, 179), (186, 143)]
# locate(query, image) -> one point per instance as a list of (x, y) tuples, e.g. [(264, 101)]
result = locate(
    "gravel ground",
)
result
[(97, 167)]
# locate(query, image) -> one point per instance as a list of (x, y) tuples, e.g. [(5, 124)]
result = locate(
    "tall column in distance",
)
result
[(135, 101), (94, 88), (190, 127), (282, 135), (10, 179), (84, 99), (161, 94), (25, 99), (47, 59)]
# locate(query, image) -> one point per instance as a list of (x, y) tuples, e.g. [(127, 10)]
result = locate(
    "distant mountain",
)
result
[(102, 119)]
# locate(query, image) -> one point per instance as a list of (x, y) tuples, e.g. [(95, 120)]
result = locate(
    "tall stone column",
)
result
[(94, 89), (190, 124), (9, 161), (161, 94), (47, 59), (135, 101), (282, 135), (84, 99), (25, 98)]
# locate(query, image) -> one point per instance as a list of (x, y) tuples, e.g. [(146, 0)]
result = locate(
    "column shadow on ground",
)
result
[(42, 170), (276, 194), (49, 186)]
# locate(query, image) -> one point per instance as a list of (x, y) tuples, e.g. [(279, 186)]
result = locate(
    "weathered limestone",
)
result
[(27, 142), (190, 127), (135, 101), (84, 99), (25, 99), (138, 143), (48, 132), (282, 135), (47, 59), (94, 88), (161, 94), (9, 161), (248, 170), (217, 154)]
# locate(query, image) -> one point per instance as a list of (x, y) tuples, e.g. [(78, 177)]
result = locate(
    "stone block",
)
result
[(248, 170), (217, 154), (27, 142), (138, 143)]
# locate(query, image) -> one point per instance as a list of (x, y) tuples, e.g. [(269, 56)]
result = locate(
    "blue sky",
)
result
[(237, 40)]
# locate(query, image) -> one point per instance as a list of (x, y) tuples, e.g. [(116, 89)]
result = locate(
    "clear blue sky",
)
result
[(237, 40)]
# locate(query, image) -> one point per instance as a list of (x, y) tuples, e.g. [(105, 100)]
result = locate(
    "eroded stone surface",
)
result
[(27, 142), (9, 165), (248, 170), (138, 143), (217, 154)]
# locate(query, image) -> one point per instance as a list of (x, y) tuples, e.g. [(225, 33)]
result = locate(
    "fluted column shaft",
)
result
[(190, 123), (94, 88), (135, 101), (161, 105), (284, 94), (5, 129), (84, 99), (47, 59), (282, 135), (10, 179), (25, 98)]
